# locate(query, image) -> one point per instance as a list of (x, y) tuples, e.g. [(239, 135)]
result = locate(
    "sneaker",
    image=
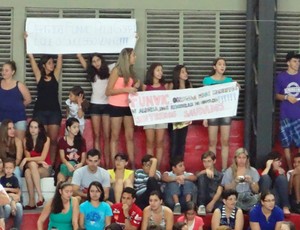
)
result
[(201, 210), (177, 209)]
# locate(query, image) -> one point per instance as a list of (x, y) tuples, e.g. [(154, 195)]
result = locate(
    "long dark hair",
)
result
[(150, 74), (41, 138), (102, 73), (213, 71), (99, 187), (7, 144), (43, 60), (176, 77), (78, 137), (57, 203)]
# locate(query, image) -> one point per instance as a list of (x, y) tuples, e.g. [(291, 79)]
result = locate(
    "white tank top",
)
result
[(98, 93)]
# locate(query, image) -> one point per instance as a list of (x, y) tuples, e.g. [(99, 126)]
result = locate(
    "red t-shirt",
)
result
[(135, 214), (71, 153)]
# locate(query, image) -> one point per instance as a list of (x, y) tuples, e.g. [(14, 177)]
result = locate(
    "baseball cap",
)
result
[(292, 54)]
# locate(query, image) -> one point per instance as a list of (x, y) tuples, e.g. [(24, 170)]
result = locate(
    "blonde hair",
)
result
[(238, 152), (125, 69)]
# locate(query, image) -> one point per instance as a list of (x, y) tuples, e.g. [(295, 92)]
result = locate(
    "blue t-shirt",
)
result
[(94, 217), (210, 81), (256, 215)]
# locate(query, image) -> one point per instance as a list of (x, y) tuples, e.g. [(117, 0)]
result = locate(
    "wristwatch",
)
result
[(128, 217)]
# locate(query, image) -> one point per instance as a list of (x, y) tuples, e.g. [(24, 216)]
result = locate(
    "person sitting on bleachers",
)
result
[(94, 212), (266, 215), (190, 217), (294, 184), (180, 187), (37, 162), (4, 200), (146, 180), (127, 213), (157, 214), (85, 175), (11, 185), (120, 177), (243, 178), (208, 184), (11, 146), (228, 214), (72, 150), (273, 179), (62, 210)]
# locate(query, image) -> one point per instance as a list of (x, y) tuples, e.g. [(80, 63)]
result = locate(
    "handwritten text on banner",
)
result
[(166, 106), (71, 36)]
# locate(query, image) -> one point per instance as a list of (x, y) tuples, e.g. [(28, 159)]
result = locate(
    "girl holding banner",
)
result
[(155, 133), (217, 77), (47, 107), (121, 83), (98, 73), (178, 131)]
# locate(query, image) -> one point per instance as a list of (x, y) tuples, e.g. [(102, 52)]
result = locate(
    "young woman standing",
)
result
[(217, 77), (178, 131), (121, 83), (155, 133), (47, 107), (17, 97), (98, 73)]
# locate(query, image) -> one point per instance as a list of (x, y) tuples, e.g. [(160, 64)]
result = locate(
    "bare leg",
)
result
[(150, 135), (115, 124), (287, 153), (106, 137), (160, 133), (96, 120), (60, 178), (129, 130), (36, 173), (30, 187), (225, 133), (213, 138), (118, 188), (53, 131)]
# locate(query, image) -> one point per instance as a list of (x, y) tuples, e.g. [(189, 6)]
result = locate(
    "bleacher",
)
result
[(197, 142)]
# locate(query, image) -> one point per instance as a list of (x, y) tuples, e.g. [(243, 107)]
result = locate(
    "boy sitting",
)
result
[(180, 187), (11, 185)]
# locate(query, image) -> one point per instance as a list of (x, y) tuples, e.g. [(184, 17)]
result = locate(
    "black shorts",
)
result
[(118, 111), (219, 121), (98, 109), (48, 117)]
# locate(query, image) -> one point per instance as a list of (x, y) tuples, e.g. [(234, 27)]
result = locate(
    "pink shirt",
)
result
[(120, 99), (198, 221)]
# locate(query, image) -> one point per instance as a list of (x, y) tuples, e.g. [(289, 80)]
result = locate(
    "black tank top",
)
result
[(47, 96)]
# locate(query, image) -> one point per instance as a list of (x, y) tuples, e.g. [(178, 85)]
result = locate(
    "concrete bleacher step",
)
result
[(47, 186)]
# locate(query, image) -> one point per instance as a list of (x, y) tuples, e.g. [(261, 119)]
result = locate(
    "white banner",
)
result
[(168, 106), (71, 36)]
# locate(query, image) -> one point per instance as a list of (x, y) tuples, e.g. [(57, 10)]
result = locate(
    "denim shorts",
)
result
[(48, 117), (118, 111), (98, 109), (219, 121), (21, 125)]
